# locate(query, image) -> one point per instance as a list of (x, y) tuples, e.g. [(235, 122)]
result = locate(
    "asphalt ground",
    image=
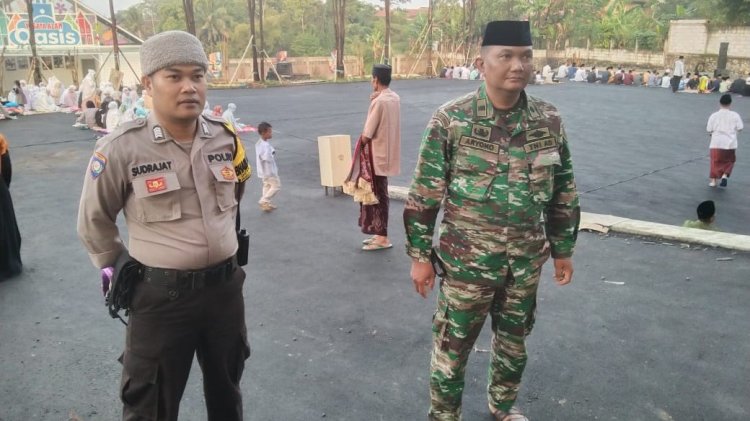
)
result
[(639, 153), (647, 331)]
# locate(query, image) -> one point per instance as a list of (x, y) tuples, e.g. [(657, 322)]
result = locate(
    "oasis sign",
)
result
[(47, 30)]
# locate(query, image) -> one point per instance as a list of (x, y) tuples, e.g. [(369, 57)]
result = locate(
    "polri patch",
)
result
[(479, 144), (227, 173), (544, 143), (98, 163), (154, 185)]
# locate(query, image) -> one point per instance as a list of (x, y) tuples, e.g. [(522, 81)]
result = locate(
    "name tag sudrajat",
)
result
[(152, 167), (214, 158), (479, 144)]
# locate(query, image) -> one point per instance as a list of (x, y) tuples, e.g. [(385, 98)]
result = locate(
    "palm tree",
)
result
[(132, 19), (214, 29), (32, 43)]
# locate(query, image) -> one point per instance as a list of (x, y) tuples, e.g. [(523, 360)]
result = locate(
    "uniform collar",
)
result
[(484, 109), (160, 135)]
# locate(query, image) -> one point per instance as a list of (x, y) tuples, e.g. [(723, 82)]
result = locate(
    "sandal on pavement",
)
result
[(368, 240), (513, 415), (375, 246)]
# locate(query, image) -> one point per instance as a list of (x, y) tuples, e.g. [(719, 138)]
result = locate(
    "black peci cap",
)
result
[(516, 33), (706, 209)]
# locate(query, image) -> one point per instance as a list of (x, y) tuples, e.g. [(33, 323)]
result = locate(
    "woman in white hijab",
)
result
[(229, 117), (70, 98), (113, 116), (88, 87)]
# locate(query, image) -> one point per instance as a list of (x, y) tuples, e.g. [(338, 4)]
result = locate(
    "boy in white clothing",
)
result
[(723, 127), (266, 166)]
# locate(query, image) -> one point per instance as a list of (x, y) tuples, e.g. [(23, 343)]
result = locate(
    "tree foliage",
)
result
[(306, 27)]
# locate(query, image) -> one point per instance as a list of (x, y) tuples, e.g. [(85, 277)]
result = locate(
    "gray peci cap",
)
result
[(171, 48)]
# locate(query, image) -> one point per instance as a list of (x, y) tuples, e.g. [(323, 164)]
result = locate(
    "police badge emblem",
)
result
[(98, 163)]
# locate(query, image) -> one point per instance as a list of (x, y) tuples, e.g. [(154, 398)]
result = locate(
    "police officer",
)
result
[(178, 177), (498, 160)]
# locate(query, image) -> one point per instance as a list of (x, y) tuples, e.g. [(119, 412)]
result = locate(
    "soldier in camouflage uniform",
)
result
[(498, 161)]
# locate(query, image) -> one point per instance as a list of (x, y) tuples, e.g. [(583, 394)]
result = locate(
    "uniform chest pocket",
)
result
[(225, 185), (476, 156), (474, 168), (542, 174), (157, 197)]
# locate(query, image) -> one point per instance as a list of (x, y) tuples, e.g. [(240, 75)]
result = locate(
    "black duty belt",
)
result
[(174, 279)]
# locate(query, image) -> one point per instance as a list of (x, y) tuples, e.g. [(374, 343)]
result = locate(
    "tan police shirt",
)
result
[(179, 203)]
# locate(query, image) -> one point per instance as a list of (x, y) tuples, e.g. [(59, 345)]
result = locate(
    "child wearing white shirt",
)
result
[(723, 127), (265, 162)]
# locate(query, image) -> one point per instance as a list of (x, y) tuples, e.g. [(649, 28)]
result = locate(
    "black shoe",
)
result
[(723, 182)]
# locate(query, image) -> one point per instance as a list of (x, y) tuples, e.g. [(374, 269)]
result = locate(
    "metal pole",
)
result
[(115, 45)]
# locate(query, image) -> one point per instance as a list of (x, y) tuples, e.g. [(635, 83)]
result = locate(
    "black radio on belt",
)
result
[(243, 249)]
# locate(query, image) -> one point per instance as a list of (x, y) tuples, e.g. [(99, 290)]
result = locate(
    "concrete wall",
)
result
[(687, 37), (700, 45), (316, 67), (738, 39), (695, 37), (599, 56), (404, 64)]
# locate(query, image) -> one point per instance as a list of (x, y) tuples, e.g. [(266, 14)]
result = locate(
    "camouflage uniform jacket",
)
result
[(496, 173)]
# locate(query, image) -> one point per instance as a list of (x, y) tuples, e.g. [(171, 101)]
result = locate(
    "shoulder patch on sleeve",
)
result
[(97, 165)]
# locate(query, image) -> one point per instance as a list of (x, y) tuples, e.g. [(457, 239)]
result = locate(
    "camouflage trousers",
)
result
[(461, 311)]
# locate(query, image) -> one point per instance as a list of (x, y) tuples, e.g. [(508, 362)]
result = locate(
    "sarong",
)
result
[(373, 219), (722, 162)]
